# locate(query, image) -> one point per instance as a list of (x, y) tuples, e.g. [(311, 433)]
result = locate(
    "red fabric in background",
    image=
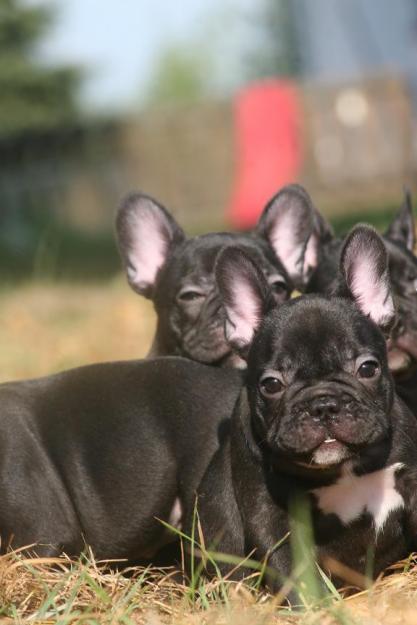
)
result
[(268, 147)]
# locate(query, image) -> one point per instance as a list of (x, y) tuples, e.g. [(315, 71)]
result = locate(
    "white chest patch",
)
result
[(353, 495)]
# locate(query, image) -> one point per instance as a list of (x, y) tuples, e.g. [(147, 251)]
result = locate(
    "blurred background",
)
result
[(208, 105)]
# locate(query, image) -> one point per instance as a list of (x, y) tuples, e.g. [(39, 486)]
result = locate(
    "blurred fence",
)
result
[(358, 141)]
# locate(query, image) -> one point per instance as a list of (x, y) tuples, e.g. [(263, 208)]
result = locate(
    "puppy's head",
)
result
[(178, 273), (318, 382)]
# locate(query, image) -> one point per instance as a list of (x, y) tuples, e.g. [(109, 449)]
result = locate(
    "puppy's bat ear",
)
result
[(288, 223), (146, 234), (245, 294), (402, 228), (364, 267)]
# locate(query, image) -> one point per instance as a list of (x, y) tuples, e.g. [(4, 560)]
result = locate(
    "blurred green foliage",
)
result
[(180, 76), (378, 216), (53, 251), (32, 96)]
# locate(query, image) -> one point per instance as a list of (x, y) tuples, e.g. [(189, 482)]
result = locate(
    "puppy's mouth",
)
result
[(328, 454), (213, 350), (216, 353)]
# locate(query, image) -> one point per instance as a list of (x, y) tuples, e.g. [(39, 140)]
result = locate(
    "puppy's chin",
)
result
[(329, 454), (215, 353), (233, 360)]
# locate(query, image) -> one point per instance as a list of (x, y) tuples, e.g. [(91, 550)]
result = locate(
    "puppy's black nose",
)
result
[(324, 407)]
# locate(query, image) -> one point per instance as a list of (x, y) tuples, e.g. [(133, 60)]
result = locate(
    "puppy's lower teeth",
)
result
[(330, 440)]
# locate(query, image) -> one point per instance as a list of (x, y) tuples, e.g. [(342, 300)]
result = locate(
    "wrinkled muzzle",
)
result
[(327, 424)]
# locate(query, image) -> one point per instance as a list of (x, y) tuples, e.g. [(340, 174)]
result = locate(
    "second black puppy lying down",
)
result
[(317, 418), (177, 273), (97, 455)]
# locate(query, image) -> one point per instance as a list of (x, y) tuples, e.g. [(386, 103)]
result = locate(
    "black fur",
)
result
[(97, 454)]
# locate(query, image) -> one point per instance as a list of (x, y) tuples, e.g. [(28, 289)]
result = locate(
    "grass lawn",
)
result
[(46, 327)]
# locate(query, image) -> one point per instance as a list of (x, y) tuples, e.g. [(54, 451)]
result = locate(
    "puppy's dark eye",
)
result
[(189, 296), (279, 287), (368, 369), (270, 386)]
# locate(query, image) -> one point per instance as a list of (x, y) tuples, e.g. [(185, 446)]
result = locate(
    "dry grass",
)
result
[(45, 328), (65, 592)]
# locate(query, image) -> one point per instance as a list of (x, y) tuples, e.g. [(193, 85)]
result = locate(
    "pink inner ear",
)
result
[(243, 313), (310, 256), (285, 243), (372, 291), (148, 247)]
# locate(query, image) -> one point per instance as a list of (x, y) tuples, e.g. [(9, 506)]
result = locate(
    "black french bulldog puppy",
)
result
[(97, 455), (399, 241), (318, 418), (177, 273)]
